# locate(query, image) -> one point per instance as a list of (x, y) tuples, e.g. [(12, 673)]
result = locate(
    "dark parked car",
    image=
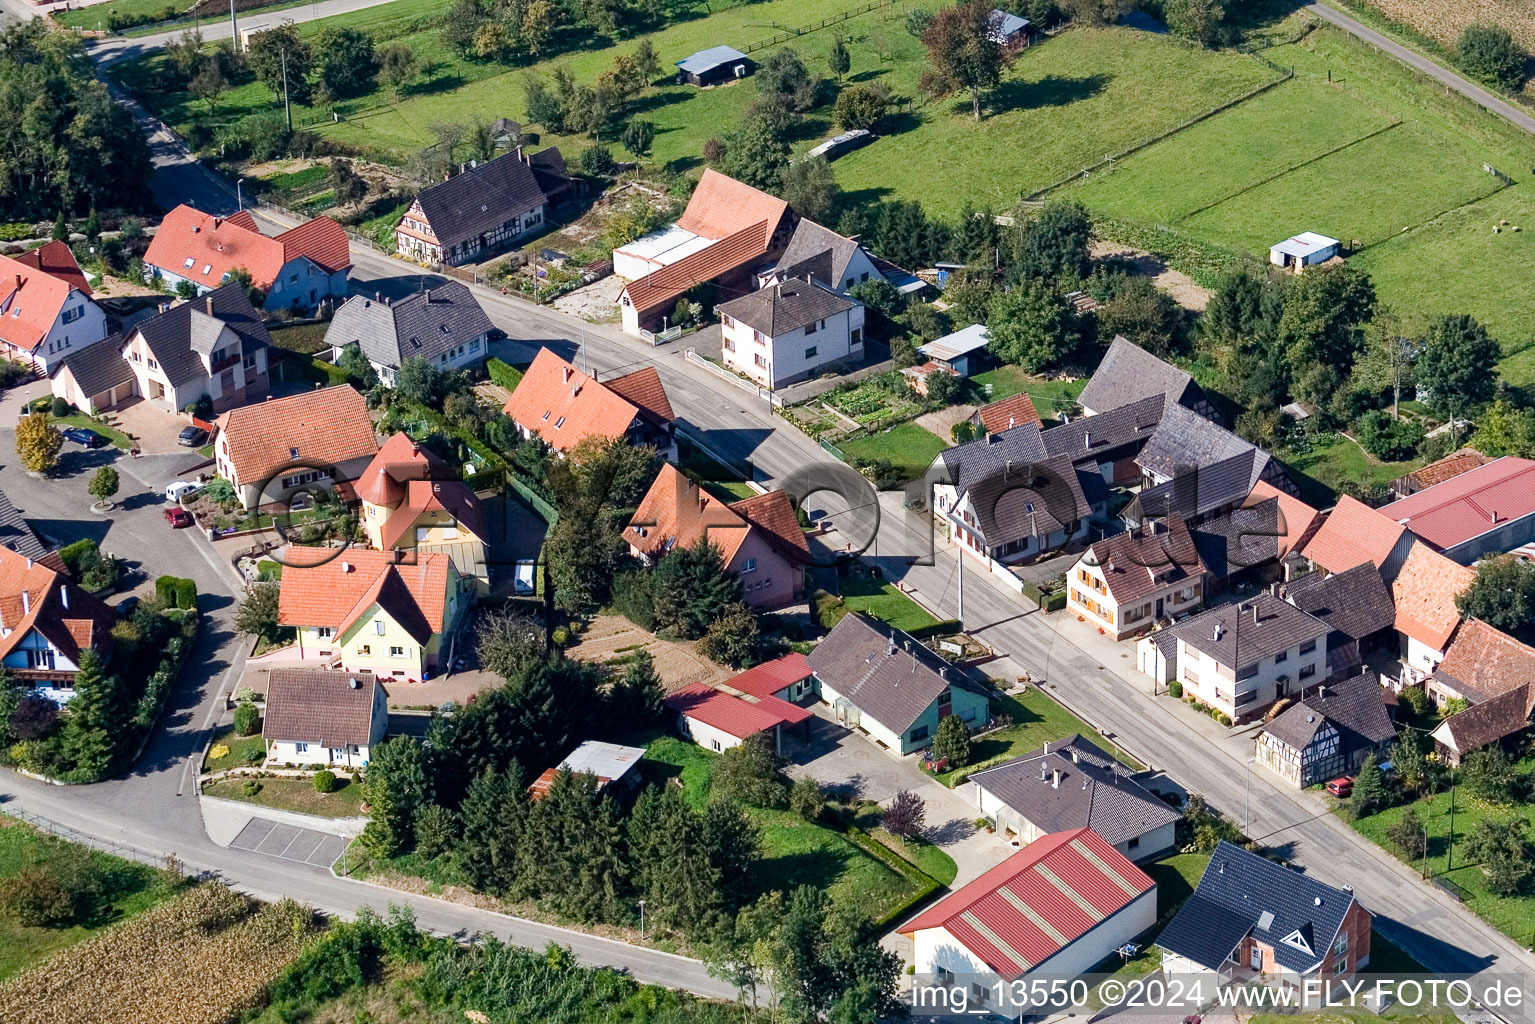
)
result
[(126, 605), (84, 438), (192, 437), (178, 517)]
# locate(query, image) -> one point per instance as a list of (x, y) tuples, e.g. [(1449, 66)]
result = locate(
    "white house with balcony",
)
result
[(790, 331)]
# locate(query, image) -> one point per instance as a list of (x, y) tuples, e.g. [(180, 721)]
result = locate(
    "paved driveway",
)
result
[(850, 765), (276, 839), (155, 429)]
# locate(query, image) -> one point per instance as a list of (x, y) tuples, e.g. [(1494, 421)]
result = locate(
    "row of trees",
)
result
[(524, 30)]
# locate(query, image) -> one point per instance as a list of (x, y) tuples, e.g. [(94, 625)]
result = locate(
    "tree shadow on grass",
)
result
[(683, 164), (1050, 91), (866, 76), (898, 122), (857, 197), (441, 83), (818, 868), (656, 100)]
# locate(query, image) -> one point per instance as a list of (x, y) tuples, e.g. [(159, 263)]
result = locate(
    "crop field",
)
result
[(1444, 20)]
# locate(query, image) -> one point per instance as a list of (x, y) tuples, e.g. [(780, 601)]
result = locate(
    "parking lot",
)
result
[(289, 842)]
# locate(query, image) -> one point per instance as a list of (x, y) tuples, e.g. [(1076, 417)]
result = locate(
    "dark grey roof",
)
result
[(883, 672), (1095, 489), (425, 324), (1243, 538), (780, 308), (1277, 905), (1129, 373), (551, 173), (811, 240), (481, 199), (1186, 440), (1196, 493), (177, 336), (1356, 707), (16, 533), (1097, 437), (1355, 602), (1093, 790), (1032, 499), (506, 126), (706, 60), (1245, 641), (97, 367), (993, 454)]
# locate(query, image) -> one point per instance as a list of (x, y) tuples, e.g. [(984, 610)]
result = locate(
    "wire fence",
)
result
[(792, 33), (102, 845)]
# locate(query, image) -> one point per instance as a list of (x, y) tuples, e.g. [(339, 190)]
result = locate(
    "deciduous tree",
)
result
[(278, 51), (38, 443), (1458, 365), (346, 61), (961, 50), (1031, 326), (810, 189), (1491, 53), (397, 66), (258, 612)]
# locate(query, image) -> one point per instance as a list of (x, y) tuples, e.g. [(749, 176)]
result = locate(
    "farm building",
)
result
[(1009, 30), (839, 144), (962, 351), (715, 65), (1306, 249)]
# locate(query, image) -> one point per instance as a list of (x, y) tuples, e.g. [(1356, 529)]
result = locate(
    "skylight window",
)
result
[(190, 262), (206, 268), (545, 416), (559, 423)]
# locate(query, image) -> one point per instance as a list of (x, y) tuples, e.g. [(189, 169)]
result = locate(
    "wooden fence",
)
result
[(792, 33)]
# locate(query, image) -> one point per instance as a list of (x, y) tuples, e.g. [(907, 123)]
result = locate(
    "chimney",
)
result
[(1044, 772), (378, 296), (210, 305), (1087, 439), (427, 296), (1012, 421), (353, 683), (18, 280), (1494, 514), (1257, 618), (1075, 757), (575, 389), (889, 645), (216, 222), (26, 602), (1219, 631), (1055, 779), (164, 306), (567, 372)]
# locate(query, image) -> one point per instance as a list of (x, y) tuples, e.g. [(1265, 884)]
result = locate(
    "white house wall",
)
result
[(706, 736), (787, 362), (64, 339)]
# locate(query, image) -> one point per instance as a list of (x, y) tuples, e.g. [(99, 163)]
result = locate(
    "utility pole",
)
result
[(1449, 857), (286, 108), (234, 28)]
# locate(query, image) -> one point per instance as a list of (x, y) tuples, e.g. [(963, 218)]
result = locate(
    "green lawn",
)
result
[(668, 758), (295, 795), (1036, 720), (128, 889), (95, 17), (1176, 878), (923, 854), (1328, 467), (881, 600), (1051, 397), (1512, 915), (305, 339), (239, 747), (79, 419), (910, 448)]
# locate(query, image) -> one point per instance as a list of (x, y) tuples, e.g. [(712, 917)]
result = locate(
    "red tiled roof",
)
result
[(643, 388), (662, 288), (226, 244), (676, 512), (1488, 661), (720, 206), (1009, 412), (57, 260), (337, 592), (318, 705), (1300, 519), (398, 461), (1068, 881), (451, 496), (1424, 593), (733, 715), (1353, 533), (1449, 467), (30, 302), (564, 406), (330, 426), (774, 515), (770, 677), (35, 596), (1470, 504)]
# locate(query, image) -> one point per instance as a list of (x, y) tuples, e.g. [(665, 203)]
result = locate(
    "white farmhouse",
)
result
[(791, 331), (315, 716)]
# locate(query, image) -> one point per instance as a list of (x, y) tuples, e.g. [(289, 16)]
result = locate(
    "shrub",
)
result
[(165, 590), (325, 781), (186, 594), (905, 815), (36, 898), (250, 787), (561, 636), (1491, 53), (58, 407), (1175, 689), (952, 741), (502, 373), (807, 799), (247, 719), (1388, 439)]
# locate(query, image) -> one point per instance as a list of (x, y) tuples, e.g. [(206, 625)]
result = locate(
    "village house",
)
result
[(298, 269), (1057, 908), (1438, 471), (1004, 499), (1486, 510), (759, 538), (1240, 658), (713, 66), (1194, 468), (883, 683), (1356, 606), (95, 378), (1329, 733), (1009, 30), (727, 232), (563, 406), (314, 716), (1005, 414), (413, 503), (820, 254), (1128, 374), (790, 331), (1494, 674), (443, 324), (213, 347), (485, 209), (369, 611), (614, 767), (45, 314), (1424, 593), (46, 622), (717, 720), (1254, 920), (1126, 583), (1070, 783), (272, 450), (16, 534), (1354, 533)]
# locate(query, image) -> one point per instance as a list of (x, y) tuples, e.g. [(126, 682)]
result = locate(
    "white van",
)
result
[(178, 489)]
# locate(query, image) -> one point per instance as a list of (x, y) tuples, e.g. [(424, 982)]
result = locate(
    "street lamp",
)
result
[(240, 193), (642, 920)]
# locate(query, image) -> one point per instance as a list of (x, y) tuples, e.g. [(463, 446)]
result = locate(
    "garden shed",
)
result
[(715, 65)]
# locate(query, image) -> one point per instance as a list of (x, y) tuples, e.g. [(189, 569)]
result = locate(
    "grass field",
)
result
[(881, 600), (129, 889), (910, 448), (1050, 396), (239, 748), (296, 795), (1324, 471), (1036, 720)]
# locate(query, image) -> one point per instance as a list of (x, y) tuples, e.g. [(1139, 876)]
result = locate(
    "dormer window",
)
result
[(292, 453), (559, 423), (1298, 941)]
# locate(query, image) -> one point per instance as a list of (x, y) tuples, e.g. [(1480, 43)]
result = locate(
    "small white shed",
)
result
[(1304, 250)]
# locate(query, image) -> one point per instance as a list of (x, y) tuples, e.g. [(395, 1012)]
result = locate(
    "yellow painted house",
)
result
[(411, 502), (375, 611)]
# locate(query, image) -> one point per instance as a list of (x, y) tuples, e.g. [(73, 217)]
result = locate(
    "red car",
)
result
[(178, 517), (1341, 787)]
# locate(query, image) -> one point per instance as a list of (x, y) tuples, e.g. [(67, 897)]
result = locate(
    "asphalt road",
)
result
[(1503, 108)]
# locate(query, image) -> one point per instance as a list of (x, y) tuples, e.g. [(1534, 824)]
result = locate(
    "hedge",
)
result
[(165, 590), (926, 883), (186, 594), (503, 373), (176, 592)]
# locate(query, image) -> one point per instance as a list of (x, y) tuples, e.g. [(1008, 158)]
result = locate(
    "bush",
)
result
[(1388, 439), (1491, 53), (1175, 689), (325, 781), (36, 898), (250, 787), (247, 719), (186, 594), (165, 590), (58, 407), (502, 373), (807, 799), (560, 636)]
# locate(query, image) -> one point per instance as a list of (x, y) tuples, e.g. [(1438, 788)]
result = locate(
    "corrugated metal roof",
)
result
[(1470, 504)]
